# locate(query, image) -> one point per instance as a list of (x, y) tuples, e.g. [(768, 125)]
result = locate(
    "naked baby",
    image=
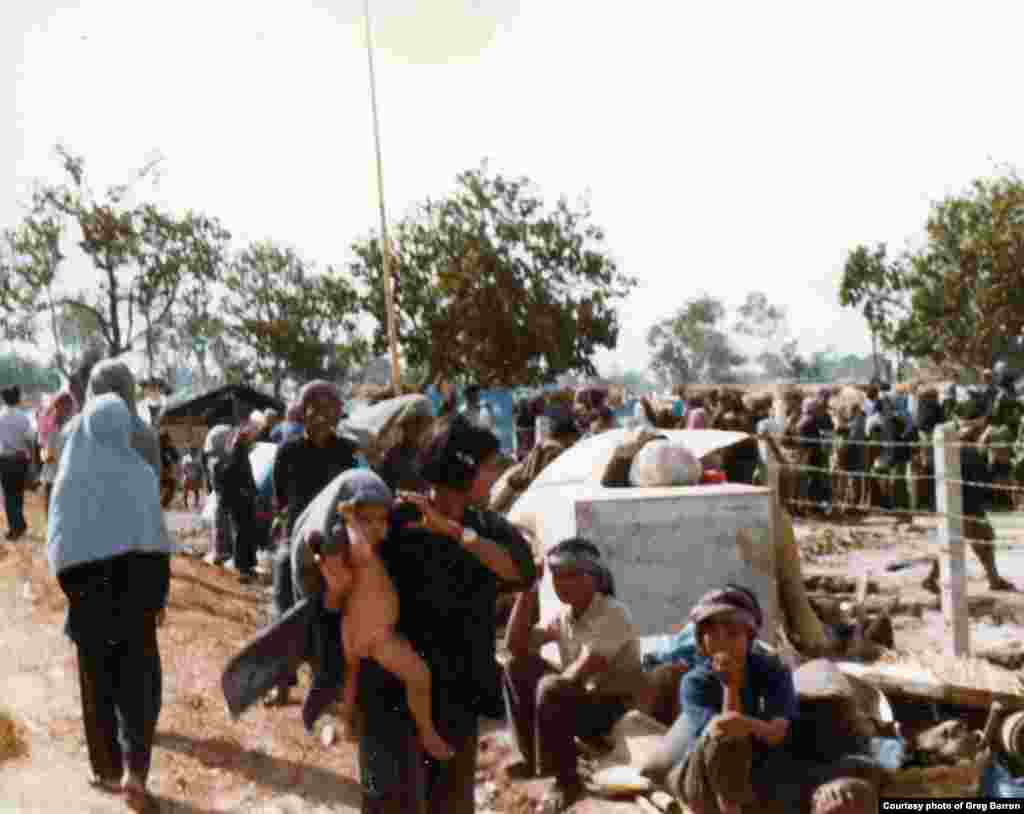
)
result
[(369, 606)]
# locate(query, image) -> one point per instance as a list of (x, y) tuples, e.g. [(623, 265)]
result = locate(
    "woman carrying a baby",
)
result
[(417, 588)]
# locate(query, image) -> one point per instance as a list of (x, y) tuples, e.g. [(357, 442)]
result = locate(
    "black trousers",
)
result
[(121, 685), (246, 531), (12, 481), (448, 791), (547, 713)]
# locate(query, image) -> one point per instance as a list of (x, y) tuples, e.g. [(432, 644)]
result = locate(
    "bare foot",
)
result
[(436, 746), (135, 793)]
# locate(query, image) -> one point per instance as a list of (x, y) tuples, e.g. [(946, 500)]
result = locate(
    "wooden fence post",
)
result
[(952, 566)]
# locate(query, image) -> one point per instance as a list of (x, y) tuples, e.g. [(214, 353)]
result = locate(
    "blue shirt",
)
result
[(682, 647), (768, 693)]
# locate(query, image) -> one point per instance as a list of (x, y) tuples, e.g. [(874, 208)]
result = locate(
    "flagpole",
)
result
[(389, 282)]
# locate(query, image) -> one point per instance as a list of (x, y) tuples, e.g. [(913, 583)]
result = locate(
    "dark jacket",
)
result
[(115, 599), (447, 611)]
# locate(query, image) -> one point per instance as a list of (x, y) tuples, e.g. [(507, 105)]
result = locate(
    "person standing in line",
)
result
[(16, 438), (56, 415), (475, 412), (302, 468), (108, 548), (234, 479)]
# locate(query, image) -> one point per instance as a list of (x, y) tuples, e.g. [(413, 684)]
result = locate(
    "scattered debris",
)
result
[(828, 541), (1009, 655), (945, 744)]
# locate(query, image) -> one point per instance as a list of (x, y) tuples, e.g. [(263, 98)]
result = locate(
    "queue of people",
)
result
[(406, 595)]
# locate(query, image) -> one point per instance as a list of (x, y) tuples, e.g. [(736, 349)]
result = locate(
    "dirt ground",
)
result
[(204, 762)]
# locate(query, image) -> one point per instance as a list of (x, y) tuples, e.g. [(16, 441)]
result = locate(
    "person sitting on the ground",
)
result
[(664, 666), (601, 672), (370, 608), (732, 745)]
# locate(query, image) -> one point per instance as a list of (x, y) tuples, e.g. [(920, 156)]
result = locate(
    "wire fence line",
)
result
[(795, 440)]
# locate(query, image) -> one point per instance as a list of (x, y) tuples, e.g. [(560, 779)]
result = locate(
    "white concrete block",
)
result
[(665, 546)]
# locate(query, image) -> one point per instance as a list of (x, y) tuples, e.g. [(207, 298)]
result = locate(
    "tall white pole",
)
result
[(385, 244)]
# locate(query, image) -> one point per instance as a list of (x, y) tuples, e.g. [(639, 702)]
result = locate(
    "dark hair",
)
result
[(575, 545), (562, 422), (454, 453), (12, 395)]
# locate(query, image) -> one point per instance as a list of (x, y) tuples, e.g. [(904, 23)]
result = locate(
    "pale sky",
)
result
[(725, 147)]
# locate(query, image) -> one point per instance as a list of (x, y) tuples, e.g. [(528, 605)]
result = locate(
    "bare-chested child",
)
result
[(370, 613)]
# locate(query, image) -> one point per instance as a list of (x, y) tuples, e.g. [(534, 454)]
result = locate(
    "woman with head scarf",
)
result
[(601, 672), (222, 534), (235, 483), (448, 565), (107, 546), (302, 468)]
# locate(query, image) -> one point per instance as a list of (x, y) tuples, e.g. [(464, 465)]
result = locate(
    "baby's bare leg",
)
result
[(394, 653)]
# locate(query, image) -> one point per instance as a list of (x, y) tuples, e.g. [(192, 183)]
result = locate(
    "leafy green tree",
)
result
[(760, 319), (691, 346), (877, 285), (785, 364), (956, 300), (141, 256), (291, 320), (493, 285), (195, 333)]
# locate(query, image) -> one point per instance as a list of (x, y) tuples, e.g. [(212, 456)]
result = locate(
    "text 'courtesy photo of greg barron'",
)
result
[(952, 804)]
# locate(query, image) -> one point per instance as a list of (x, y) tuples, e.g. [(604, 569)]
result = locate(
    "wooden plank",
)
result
[(968, 682)]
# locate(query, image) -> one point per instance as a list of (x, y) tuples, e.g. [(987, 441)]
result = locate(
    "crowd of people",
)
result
[(403, 582)]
